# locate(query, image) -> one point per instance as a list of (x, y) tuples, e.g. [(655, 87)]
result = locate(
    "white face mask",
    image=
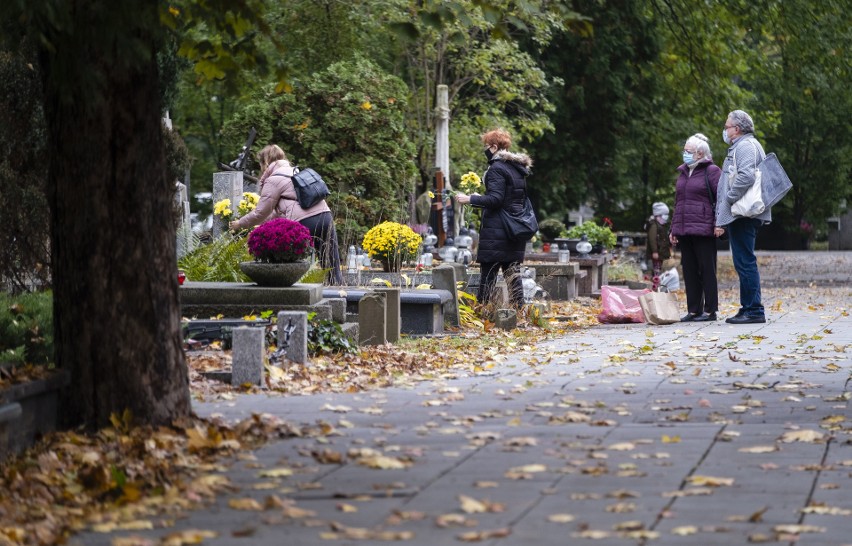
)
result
[(725, 136)]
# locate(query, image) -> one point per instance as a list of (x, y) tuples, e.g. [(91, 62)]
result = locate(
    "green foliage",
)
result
[(624, 270), (802, 78), (26, 328), (551, 228), (326, 336), (347, 122), (595, 234), (218, 261), (469, 316)]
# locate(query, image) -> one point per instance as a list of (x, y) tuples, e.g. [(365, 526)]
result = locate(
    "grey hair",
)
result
[(701, 144), (742, 120)]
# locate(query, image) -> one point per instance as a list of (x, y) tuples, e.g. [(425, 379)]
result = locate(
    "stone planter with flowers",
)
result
[(280, 248)]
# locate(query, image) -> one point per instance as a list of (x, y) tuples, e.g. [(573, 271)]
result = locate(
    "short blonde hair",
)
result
[(269, 155), (497, 137)]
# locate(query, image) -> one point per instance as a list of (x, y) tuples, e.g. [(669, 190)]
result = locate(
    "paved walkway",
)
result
[(690, 434)]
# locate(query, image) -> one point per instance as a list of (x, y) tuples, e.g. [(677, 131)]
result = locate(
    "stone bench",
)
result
[(421, 311)]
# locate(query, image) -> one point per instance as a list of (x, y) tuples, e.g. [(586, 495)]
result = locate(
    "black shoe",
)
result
[(745, 319), (689, 317), (706, 317)]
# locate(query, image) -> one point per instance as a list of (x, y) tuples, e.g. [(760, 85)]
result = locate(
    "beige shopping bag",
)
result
[(660, 307)]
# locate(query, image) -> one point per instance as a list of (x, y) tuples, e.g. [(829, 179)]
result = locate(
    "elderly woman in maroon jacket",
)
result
[(505, 188), (693, 228)]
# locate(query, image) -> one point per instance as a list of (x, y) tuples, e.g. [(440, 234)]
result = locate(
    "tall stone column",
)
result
[(442, 150)]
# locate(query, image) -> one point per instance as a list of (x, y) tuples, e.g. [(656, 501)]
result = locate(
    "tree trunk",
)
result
[(117, 323)]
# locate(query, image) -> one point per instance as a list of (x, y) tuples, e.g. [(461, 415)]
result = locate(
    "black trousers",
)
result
[(698, 258), (488, 278), (324, 234)]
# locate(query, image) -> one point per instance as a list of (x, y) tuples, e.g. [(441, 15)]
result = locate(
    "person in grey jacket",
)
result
[(738, 175), (505, 188)]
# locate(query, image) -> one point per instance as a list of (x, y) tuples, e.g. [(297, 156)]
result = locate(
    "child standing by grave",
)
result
[(659, 247)]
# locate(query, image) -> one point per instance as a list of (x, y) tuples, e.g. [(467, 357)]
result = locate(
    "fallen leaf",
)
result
[(560, 518), (826, 511), (802, 436), (798, 529), (479, 536), (190, 536), (448, 520), (685, 530), (469, 505), (247, 503), (758, 449), (710, 481), (275, 473)]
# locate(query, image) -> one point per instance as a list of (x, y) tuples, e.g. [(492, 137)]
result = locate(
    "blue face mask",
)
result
[(725, 136), (687, 158)]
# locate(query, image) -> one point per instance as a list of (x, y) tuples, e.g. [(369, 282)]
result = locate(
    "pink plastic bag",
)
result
[(621, 305)]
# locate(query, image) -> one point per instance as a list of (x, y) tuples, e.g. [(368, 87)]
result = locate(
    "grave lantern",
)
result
[(448, 252), (429, 241), (584, 247)]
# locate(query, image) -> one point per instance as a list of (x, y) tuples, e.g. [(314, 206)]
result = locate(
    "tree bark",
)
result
[(117, 323)]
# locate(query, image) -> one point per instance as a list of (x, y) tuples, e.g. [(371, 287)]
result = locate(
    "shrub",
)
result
[(551, 228), (26, 328), (595, 234), (218, 261), (279, 241)]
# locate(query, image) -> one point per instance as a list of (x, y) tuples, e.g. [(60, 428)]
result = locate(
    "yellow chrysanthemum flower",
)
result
[(391, 241), (223, 208), (470, 183)]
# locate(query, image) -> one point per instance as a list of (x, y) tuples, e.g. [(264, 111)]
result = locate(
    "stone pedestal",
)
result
[(596, 266), (561, 281), (233, 299)]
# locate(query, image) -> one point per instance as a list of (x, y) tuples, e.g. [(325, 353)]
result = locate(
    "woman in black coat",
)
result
[(505, 187)]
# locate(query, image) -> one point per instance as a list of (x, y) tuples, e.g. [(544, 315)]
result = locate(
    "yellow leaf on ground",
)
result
[(710, 481), (560, 518), (758, 449), (685, 530), (383, 462), (191, 536), (247, 503), (469, 505)]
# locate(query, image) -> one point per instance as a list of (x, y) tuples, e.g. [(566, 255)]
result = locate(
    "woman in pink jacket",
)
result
[(278, 199)]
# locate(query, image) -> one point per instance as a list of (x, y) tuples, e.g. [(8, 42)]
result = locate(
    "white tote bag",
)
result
[(751, 204)]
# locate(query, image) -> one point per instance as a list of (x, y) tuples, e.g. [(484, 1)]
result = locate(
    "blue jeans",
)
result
[(742, 233)]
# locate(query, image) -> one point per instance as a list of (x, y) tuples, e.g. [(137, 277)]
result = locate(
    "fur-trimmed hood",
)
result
[(521, 160)]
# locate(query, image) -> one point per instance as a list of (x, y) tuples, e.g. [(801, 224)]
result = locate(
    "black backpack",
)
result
[(310, 187)]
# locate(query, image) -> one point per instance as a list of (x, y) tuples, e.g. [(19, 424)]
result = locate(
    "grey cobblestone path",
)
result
[(689, 434)]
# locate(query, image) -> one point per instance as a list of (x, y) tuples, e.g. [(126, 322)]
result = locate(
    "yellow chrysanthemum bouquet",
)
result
[(224, 210), (470, 183), (391, 243)]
